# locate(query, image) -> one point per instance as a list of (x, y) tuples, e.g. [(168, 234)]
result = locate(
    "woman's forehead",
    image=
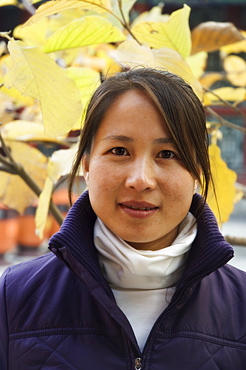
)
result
[(131, 116)]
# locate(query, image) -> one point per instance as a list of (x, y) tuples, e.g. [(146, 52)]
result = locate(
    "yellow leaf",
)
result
[(197, 63), (153, 15), (173, 34), (20, 130), (54, 7), (14, 193), (173, 62), (104, 52), (237, 47), (8, 2), (239, 194), (18, 99), (34, 35), (235, 67), (224, 180), (208, 79), (227, 93), (119, 8), (36, 75), (59, 164), (83, 32), (43, 207), (210, 36), (131, 54), (15, 95), (87, 80)]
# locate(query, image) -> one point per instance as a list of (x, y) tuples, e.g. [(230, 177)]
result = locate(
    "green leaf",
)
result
[(36, 75), (173, 34), (86, 79), (54, 7), (83, 32)]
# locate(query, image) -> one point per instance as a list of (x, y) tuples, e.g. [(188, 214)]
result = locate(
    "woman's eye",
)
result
[(166, 154), (119, 151)]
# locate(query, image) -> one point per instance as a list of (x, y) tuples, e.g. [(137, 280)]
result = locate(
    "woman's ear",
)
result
[(196, 185), (85, 168)]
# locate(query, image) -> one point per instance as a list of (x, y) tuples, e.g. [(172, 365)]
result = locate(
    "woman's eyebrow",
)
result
[(119, 138), (164, 140), (161, 140)]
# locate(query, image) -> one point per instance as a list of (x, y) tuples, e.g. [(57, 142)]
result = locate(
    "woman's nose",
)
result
[(141, 175)]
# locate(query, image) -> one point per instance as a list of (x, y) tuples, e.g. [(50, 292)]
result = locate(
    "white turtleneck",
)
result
[(143, 281)]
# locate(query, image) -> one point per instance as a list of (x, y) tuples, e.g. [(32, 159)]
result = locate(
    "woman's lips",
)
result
[(138, 209)]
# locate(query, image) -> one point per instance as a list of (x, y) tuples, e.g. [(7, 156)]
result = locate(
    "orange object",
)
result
[(27, 235), (60, 199), (8, 229)]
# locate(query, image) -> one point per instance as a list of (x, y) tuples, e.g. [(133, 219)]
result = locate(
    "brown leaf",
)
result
[(210, 36)]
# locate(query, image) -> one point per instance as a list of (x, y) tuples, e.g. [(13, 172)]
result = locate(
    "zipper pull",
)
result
[(138, 363)]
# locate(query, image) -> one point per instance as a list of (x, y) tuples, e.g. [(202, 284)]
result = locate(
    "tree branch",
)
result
[(236, 241), (224, 122), (6, 168), (28, 6), (125, 24), (225, 102), (11, 166)]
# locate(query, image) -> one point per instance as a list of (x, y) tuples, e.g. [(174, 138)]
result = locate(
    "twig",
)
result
[(228, 104), (28, 6), (37, 190), (236, 241), (12, 167), (125, 24), (7, 151), (7, 168), (61, 181), (223, 121)]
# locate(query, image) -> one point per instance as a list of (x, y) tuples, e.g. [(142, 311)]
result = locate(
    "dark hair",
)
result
[(181, 109)]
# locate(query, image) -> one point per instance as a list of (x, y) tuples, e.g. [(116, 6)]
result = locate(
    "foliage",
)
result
[(223, 175), (58, 57)]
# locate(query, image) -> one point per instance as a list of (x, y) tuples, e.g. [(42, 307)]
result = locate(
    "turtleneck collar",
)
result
[(73, 244), (127, 267)]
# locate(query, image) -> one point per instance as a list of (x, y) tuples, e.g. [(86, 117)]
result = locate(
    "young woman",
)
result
[(141, 280)]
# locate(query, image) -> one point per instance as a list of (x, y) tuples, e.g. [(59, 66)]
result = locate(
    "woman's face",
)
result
[(137, 184)]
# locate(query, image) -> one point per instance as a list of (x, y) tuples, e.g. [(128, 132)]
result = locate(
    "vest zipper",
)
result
[(138, 363)]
